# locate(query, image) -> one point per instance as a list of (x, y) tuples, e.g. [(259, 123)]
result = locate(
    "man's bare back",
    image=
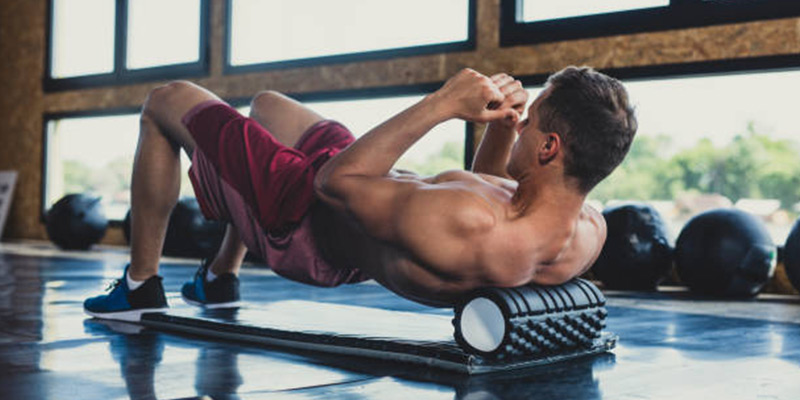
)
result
[(466, 235)]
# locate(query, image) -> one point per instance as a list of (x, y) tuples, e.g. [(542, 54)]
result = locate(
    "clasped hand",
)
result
[(474, 97)]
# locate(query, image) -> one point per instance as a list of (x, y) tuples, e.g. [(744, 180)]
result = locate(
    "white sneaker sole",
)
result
[(231, 304), (130, 315)]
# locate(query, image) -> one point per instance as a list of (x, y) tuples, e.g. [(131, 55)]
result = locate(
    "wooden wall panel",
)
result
[(21, 105)]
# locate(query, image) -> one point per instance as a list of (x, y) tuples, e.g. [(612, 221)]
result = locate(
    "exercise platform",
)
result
[(390, 336)]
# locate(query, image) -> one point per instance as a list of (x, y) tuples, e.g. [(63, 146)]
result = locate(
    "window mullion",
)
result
[(120, 39)]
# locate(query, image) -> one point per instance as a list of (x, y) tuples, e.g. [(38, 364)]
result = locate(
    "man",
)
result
[(325, 209)]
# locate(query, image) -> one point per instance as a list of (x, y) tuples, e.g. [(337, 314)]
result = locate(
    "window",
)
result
[(277, 33), (81, 45), (103, 42), (448, 146), (535, 21), (94, 155), (713, 141), (162, 33)]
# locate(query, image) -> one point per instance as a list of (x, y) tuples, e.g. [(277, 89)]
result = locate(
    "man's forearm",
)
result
[(494, 151), (376, 152), (467, 95)]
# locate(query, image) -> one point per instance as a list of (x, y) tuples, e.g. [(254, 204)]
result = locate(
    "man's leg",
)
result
[(230, 255), (156, 170), (286, 120), (154, 192)]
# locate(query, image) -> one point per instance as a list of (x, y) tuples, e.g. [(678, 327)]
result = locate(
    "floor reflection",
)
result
[(49, 350), (139, 352)]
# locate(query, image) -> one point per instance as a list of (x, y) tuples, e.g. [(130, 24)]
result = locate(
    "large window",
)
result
[(82, 38), (534, 21), (277, 33), (98, 42), (714, 141), (162, 33)]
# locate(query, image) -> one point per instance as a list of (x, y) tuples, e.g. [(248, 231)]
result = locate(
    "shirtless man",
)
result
[(325, 209)]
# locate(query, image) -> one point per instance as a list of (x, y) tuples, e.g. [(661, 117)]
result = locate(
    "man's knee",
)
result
[(163, 97), (265, 101)]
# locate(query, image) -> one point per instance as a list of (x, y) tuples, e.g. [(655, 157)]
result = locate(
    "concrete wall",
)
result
[(23, 101)]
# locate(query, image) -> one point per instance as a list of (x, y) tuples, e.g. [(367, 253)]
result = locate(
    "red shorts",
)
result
[(242, 175)]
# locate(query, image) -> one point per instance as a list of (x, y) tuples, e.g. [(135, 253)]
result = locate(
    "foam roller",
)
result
[(530, 321)]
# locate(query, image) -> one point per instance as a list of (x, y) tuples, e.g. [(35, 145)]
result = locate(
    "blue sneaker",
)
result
[(124, 304), (222, 292)]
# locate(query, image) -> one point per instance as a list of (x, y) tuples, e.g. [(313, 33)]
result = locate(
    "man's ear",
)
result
[(550, 148)]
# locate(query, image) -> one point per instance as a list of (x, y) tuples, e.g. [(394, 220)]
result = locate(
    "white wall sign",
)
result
[(7, 181)]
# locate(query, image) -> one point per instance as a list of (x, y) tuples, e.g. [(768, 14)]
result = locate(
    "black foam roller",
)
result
[(530, 321)]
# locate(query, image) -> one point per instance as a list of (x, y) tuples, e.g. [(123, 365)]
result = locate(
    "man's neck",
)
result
[(548, 192)]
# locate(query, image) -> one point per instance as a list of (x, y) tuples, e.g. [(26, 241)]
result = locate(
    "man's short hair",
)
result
[(592, 114)]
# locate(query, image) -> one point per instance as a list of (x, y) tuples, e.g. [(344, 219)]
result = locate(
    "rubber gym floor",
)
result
[(672, 346)]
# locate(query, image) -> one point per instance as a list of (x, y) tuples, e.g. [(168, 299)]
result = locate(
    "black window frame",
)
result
[(121, 75), (465, 45), (678, 14), (342, 95)]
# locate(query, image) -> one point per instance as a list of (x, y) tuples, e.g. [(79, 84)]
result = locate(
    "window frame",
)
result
[(466, 45), (678, 14), (354, 94), (121, 74)]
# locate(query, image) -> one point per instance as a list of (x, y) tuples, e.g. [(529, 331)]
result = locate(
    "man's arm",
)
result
[(358, 180), (495, 148)]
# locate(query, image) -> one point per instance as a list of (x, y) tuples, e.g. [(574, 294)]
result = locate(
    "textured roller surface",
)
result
[(539, 321)]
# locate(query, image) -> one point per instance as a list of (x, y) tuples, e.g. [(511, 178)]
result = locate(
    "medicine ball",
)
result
[(190, 234), (76, 222), (791, 255), (637, 254), (725, 252)]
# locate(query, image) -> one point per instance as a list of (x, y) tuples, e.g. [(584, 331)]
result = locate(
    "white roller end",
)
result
[(482, 324)]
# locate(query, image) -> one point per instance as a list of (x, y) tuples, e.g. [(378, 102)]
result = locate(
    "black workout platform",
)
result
[(383, 335), (671, 345)]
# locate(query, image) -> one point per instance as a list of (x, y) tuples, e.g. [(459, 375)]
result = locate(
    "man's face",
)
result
[(524, 152)]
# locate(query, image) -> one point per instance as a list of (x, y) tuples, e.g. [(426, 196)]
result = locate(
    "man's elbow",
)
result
[(324, 185), (333, 188)]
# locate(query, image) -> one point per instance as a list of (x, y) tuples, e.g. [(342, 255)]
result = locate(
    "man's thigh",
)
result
[(168, 104), (285, 118)]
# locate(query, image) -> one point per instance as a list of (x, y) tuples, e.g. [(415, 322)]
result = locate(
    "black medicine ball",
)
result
[(189, 233), (791, 255), (76, 222), (637, 254), (725, 252)]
